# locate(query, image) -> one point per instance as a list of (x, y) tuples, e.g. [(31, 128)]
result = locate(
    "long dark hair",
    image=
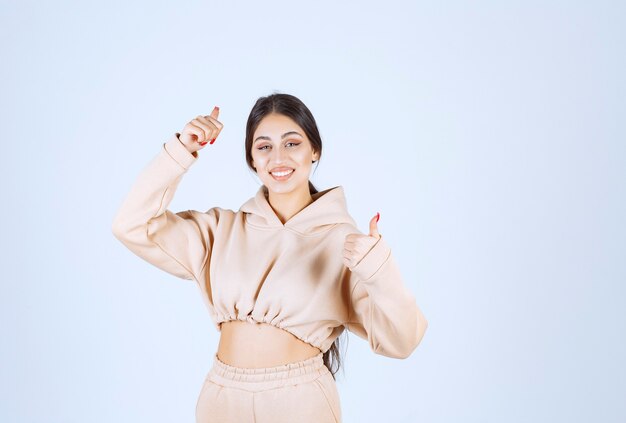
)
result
[(294, 108)]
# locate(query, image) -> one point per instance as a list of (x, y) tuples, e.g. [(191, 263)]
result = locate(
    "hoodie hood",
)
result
[(328, 208)]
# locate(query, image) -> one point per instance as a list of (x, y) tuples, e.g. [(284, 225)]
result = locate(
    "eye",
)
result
[(295, 144)]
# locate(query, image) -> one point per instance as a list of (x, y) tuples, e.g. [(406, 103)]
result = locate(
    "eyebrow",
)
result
[(264, 137)]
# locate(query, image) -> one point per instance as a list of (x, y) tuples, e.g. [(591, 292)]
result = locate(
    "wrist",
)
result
[(194, 153)]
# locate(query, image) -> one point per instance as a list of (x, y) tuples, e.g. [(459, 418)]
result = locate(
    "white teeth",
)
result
[(287, 172)]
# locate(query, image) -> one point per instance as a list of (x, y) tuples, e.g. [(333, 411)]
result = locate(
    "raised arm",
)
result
[(174, 242), (382, 310), (178, 243)]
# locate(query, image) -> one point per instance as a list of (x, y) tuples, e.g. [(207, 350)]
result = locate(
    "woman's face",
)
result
[(280, 145)]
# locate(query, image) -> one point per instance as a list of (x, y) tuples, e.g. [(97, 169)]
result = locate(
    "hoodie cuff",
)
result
[(373, 260), (179, 152)]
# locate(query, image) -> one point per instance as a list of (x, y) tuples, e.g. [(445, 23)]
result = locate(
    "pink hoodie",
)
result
[(251, 267)]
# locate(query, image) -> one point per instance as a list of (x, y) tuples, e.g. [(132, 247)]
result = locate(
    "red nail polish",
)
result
[(213, 140), (377, 217), (203, 143)]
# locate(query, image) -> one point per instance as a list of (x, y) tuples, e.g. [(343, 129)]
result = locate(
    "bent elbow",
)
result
[(397, 351), (118, 229), (400, 347), (422, 325), (405, 353), (413, 339), (409, 348), (122, 230)]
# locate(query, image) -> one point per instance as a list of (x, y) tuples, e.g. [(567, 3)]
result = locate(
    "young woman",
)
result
[(282, 277)]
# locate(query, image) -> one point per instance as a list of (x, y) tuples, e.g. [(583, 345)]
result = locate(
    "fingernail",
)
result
[(213, 140), (377, 216), (203, 143)]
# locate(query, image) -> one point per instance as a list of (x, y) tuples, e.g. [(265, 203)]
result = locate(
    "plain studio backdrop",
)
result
[(489, 135)]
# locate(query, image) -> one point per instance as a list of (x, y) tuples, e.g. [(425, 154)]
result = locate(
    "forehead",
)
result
[(274, 125)]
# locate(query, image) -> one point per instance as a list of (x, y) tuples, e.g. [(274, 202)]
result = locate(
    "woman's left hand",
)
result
[(356, 246)]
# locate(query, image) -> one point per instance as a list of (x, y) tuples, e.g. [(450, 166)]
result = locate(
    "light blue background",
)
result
[(489, 135)]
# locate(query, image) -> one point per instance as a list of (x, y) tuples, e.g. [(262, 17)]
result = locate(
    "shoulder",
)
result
[(214, 214), (221, 210)]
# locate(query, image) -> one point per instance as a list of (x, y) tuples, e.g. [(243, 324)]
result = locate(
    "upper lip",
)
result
[(281, 169)]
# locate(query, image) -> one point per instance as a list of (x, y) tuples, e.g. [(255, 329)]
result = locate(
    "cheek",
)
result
[(303, 157), (257, 160)]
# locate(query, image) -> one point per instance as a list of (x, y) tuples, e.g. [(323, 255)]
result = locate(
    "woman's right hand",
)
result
[(201, 130)]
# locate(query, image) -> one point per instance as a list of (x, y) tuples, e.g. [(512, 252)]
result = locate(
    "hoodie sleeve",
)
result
[(382, 310), (178, 243)]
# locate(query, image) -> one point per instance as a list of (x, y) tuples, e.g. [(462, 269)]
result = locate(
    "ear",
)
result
[(316, 156)]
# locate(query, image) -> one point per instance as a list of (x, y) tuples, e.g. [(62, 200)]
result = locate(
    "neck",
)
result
[(287, 205)]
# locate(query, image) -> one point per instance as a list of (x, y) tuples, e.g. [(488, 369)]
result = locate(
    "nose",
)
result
[(279, 155)]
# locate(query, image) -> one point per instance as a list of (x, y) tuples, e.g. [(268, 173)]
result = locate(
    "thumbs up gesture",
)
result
[(201, 130), (356, 246)]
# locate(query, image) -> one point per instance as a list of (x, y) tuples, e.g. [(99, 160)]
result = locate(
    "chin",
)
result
[(279, 189), (284, 187)]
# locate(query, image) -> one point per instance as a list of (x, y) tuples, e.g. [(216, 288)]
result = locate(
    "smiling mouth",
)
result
[(282, 175)]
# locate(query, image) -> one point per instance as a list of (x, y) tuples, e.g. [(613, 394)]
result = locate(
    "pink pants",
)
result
[(302, 392)]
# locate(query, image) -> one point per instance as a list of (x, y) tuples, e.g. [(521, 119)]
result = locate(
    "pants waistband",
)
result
[(267, 377)]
